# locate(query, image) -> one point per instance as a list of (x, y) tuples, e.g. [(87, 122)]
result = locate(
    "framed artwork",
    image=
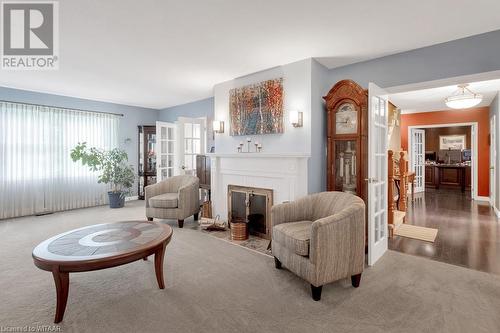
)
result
[(257, 108), (453, 142)]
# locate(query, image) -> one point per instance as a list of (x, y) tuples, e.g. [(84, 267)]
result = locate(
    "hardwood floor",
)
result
[(469, 232)]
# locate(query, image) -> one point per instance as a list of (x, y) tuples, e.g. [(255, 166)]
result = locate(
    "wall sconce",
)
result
[(296, 118), (218, 126)]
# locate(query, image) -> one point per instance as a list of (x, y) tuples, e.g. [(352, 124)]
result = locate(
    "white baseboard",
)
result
[(480, 198), (497, 212), (134, 197)]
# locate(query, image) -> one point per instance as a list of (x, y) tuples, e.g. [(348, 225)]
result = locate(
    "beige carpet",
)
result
[(416, 232), (215, 286)]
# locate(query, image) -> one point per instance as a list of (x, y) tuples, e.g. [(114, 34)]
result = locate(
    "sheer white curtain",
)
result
[(36, 172)]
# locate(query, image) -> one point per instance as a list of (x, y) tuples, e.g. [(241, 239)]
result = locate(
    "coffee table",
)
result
[(100, 246)]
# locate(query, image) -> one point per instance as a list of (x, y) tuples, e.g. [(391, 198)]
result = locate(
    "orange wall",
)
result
[(479, 115)]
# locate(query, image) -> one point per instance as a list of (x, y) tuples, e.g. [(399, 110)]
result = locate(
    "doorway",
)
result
[(454, 177), (192, 138), (426, 156)]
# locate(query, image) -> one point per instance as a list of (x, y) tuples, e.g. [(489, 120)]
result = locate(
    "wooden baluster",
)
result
[(390, 192), (403, 174)]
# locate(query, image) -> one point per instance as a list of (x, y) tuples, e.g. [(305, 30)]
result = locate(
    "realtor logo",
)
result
[(30, 35)]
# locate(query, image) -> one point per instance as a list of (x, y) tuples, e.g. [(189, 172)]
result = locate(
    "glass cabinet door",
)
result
[(346, 162)]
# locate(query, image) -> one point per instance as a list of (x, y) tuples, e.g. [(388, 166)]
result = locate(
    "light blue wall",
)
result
[(316, 166), (132, 116), (197, 109), (471, 55), (201, 108)]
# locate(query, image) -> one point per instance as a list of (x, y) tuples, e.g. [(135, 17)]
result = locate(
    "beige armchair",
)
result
[(175, 198), (321, 238)]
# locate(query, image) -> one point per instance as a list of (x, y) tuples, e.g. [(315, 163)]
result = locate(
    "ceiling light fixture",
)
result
[(463, 98)]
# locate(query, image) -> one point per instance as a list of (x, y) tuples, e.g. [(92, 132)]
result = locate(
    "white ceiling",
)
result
[(426, 100), (159, 53)]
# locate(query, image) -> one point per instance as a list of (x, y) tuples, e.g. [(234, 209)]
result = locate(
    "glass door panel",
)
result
[(166, 151)]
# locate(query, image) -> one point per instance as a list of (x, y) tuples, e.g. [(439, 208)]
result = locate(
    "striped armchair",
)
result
[(174, 198), (321, 238)]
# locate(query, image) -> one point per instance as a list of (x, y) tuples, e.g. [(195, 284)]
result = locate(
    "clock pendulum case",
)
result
[(347, 138)]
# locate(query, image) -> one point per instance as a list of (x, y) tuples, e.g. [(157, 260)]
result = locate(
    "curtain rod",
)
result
[(58, 107)]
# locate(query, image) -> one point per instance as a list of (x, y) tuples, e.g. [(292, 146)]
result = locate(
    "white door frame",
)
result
[(493, 158), (411, 158), (474, 150)]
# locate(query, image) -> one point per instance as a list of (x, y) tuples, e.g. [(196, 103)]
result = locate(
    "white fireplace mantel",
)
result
[(284, 173)]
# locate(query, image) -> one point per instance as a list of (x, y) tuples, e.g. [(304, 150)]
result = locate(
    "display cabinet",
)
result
[(147, 158), (347, 138)]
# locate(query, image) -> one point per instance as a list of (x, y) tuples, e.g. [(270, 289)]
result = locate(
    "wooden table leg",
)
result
[(61, 279), (159, 254)]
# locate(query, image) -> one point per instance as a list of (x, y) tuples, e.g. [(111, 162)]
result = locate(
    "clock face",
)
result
[(346, 119)]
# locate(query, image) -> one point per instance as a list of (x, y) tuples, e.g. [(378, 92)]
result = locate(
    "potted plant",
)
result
[(113, 168)]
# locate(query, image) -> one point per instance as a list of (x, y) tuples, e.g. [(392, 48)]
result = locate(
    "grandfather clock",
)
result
[(347, 107)]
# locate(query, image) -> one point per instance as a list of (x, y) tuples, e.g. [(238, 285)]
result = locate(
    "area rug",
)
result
[(214, 286), (416, 232), (254, 243)]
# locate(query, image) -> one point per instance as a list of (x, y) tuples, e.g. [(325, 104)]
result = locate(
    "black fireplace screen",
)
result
[(251, 205)]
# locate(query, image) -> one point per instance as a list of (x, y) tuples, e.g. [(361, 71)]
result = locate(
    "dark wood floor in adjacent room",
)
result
[(469, 232)]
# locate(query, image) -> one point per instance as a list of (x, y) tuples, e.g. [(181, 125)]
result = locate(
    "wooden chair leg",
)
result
[(316, 292), (355, 280), (180, 223)]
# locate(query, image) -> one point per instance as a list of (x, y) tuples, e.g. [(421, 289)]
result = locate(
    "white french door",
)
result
[(493, 158), (166, 147), (191, 143), (377, 173), (417, 149)]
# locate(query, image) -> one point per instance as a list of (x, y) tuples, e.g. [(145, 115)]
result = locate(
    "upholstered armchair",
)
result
[(174, 198), (321, 238)]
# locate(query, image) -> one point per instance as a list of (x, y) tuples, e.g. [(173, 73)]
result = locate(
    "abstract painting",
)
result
[(257, 108)]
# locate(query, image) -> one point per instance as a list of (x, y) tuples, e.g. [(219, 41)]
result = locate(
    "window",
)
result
[(36, 171)]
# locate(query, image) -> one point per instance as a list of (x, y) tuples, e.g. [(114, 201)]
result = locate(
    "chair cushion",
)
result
[(294, 235), (165, 200)]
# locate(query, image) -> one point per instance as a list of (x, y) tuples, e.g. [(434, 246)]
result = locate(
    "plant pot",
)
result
[(116, 199)]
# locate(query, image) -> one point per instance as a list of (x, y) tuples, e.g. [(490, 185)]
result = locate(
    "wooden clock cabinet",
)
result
[(347, 138)]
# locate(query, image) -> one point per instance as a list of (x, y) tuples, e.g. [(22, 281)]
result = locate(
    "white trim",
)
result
[(132, 198), (443, 109), (486, 76), (482, 198), (474, 143), (497, 212)]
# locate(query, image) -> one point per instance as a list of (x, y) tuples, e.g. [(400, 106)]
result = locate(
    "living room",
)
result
[(141, 132)]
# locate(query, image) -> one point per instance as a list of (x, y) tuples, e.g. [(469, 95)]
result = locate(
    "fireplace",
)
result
[(251, 205)]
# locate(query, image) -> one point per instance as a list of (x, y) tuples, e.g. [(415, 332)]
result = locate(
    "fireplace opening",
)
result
[(251, 205)]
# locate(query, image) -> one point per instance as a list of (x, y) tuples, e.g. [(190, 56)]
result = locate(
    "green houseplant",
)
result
[(113, 168)]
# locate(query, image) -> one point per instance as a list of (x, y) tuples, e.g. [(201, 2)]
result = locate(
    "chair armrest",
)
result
[(339, 240), (298, 210), (154, 190), (189, 198)]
